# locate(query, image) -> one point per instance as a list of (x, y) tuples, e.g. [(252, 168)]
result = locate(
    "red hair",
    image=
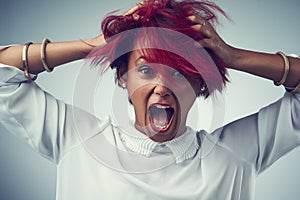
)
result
[(164, 35)]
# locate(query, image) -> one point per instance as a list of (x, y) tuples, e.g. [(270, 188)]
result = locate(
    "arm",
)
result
[(270, 66), (57, 53), (263, 137), (265, 65), (47, 124)]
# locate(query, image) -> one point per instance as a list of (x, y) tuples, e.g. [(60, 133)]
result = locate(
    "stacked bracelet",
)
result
[(43, 55), (286, 69), (25, 62), (297, 89)]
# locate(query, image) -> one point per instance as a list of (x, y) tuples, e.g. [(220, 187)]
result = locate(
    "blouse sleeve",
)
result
[(264, 137), (48, 125), (278, 130)]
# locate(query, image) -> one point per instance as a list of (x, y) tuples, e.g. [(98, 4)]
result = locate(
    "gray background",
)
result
[(262, 25)]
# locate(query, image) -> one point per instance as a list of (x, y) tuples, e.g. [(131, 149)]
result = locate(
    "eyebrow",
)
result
[(139, 59)]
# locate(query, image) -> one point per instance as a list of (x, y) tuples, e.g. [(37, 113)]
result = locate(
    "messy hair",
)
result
[(163, 33)]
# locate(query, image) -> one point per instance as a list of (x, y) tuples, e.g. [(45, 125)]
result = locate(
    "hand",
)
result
[(133, 9), (99, 40), (96, 41), (211, 39)]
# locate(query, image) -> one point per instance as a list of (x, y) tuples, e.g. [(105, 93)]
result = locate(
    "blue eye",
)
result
[(146, 70), (177, 74)]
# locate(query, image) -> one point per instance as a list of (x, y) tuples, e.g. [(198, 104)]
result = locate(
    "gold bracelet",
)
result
[(25, 62), (296, 89), (286, 69), (43, 55)]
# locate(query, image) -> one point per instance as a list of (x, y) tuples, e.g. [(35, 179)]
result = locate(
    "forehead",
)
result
[(153, 56), (134, 56), (138, 58), (157, 46)]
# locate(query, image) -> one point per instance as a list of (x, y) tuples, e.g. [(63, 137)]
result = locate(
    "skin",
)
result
[(150, 84), (144, 92), (269, 66)]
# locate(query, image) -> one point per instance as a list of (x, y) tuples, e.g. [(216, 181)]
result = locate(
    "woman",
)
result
[(192, 165)]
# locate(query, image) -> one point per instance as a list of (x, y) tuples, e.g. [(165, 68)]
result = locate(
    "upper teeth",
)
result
[(161, 106)]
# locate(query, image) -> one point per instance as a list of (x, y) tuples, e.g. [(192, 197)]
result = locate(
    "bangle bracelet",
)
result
[(286, 69), (25, 62), (297, 89), (43, 55)]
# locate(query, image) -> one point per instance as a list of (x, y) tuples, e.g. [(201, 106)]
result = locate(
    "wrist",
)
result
[(229, 55), (95, 41), (91, 43), (234, 57)]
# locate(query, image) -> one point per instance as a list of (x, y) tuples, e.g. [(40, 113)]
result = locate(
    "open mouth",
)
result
[(161, 117)]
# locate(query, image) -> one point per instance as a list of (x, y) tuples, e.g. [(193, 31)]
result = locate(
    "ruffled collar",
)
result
[(183, 147)]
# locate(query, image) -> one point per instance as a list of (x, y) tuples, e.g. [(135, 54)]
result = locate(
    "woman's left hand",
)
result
[(211, 39), (265, 65)]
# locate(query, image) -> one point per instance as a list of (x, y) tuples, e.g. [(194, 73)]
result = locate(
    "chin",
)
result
[(163, 135), (161, 138)]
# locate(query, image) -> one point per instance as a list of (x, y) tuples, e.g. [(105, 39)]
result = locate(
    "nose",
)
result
[(162, 84), (162, 90)]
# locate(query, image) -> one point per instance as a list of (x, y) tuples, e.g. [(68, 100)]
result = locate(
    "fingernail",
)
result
[(135, 16), (197, 45)]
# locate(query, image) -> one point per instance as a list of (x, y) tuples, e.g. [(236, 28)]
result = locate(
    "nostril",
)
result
[(164, 94), (162, 90)]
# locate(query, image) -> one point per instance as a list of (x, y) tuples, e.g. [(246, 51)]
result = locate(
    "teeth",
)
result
[(161, 106), (161, 116), (160, 127)]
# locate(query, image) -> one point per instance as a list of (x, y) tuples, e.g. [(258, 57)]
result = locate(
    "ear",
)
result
[(122, 78), (122, 83)]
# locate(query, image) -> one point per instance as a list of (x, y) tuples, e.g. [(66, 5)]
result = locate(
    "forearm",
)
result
[(57, 53), (270, 66)]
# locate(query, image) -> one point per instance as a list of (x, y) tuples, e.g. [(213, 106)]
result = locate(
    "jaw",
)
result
[(161, 117), (163, 121), (172, 130)]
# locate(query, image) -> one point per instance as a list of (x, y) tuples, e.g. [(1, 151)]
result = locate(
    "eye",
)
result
[(146, 70), (177, 74)]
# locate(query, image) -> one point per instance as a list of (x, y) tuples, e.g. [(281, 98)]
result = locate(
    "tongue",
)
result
[(160, 119)]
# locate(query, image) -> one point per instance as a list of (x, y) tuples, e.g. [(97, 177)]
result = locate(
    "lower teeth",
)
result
[(160, 127), (161, 116)]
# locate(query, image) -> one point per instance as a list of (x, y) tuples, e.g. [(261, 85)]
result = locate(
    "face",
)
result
[(161, 97)]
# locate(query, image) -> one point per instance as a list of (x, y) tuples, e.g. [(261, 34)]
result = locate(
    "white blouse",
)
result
[(97, 159)]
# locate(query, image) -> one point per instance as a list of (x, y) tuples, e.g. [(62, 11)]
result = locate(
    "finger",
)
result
[(202, 28), (203, 43), (133, 9), (201, 25), (197, 27), (197, 20)]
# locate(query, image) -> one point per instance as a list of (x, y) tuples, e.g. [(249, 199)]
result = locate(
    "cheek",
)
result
[(139, 94), (185, 91), (139, 99), (187, 101), (137, 90), (135, 84), (186, 97)]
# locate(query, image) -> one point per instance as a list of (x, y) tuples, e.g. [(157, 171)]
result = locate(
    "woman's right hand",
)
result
[(100, 40), (97, 41)]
